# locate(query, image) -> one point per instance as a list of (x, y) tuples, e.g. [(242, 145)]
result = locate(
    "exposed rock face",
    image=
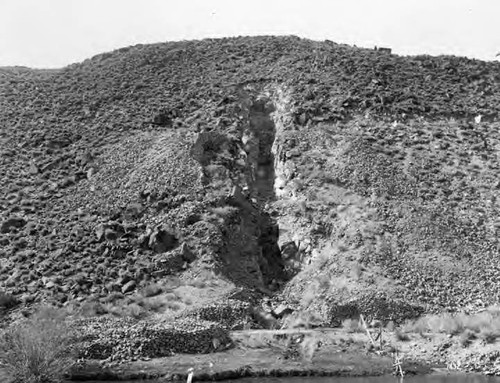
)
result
[(240, 165)]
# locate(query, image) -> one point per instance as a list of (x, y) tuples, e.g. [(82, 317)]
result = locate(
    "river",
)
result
[(380, 379)]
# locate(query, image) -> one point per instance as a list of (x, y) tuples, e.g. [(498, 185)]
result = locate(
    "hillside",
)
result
[(309, 172)]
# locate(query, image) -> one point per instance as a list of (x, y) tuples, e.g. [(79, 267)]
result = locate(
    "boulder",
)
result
[(33, 169), (128, 287), (99, 231), (282, 310)]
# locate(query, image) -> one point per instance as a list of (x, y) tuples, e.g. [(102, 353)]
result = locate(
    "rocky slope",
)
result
[(333, 176)]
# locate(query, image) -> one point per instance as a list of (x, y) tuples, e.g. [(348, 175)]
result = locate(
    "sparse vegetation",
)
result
[(38, 349), (151, 290), (467, 337), (352, 326), (484, 325), (302, 319), (401, 336)]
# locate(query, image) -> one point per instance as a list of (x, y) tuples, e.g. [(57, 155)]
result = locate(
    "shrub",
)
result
[(92, 309), (401, 336), (489, 335), (174, 306), (225, 211), (155, 305), (485, 323), (467, 337), (135, 311), (302, 319), (352, 326), (152, 290), (37, 350)]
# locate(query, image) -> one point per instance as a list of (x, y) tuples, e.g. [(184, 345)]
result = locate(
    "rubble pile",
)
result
[(119, 340)]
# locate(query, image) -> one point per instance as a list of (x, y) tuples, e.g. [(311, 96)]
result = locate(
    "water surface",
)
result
[(379, 379)]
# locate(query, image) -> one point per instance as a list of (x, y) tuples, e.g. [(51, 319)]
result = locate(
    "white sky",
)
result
[(54, 33)]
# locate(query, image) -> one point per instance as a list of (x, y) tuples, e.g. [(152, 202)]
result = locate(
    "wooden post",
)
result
[(381, 330), (367, 330), (190, 375), (397, 365)]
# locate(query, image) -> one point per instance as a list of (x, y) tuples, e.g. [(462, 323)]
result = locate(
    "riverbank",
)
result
[(260, 353), (307, 352)]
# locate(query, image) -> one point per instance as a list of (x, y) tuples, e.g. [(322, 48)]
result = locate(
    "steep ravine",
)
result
[(258, 140), (238, 172), (263, 131)]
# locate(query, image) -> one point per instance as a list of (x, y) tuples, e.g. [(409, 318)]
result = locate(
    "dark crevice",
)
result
[(264, 132)]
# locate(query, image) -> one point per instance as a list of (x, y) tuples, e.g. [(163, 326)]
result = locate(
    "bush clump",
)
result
[(38, 349), (484, 325)]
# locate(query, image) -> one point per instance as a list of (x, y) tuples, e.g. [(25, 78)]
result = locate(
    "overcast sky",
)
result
[(54, 33)]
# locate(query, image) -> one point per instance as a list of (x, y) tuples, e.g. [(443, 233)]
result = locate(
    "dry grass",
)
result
[(467, 337), (302, 319), (38, 349), (309, 346), (152, 290), (306, 344), (401, 336), (484, 325), (262, 340), (224, 211), (166, 297), (352, 326)]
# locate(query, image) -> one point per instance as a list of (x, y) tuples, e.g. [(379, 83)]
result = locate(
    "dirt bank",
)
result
[(278, 353)]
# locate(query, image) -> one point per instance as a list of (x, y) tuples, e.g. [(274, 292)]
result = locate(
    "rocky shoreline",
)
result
[(158, 370), (266, 353), (119, 349)]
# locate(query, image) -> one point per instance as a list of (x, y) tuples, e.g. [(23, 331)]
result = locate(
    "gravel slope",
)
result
[(121, 170)]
